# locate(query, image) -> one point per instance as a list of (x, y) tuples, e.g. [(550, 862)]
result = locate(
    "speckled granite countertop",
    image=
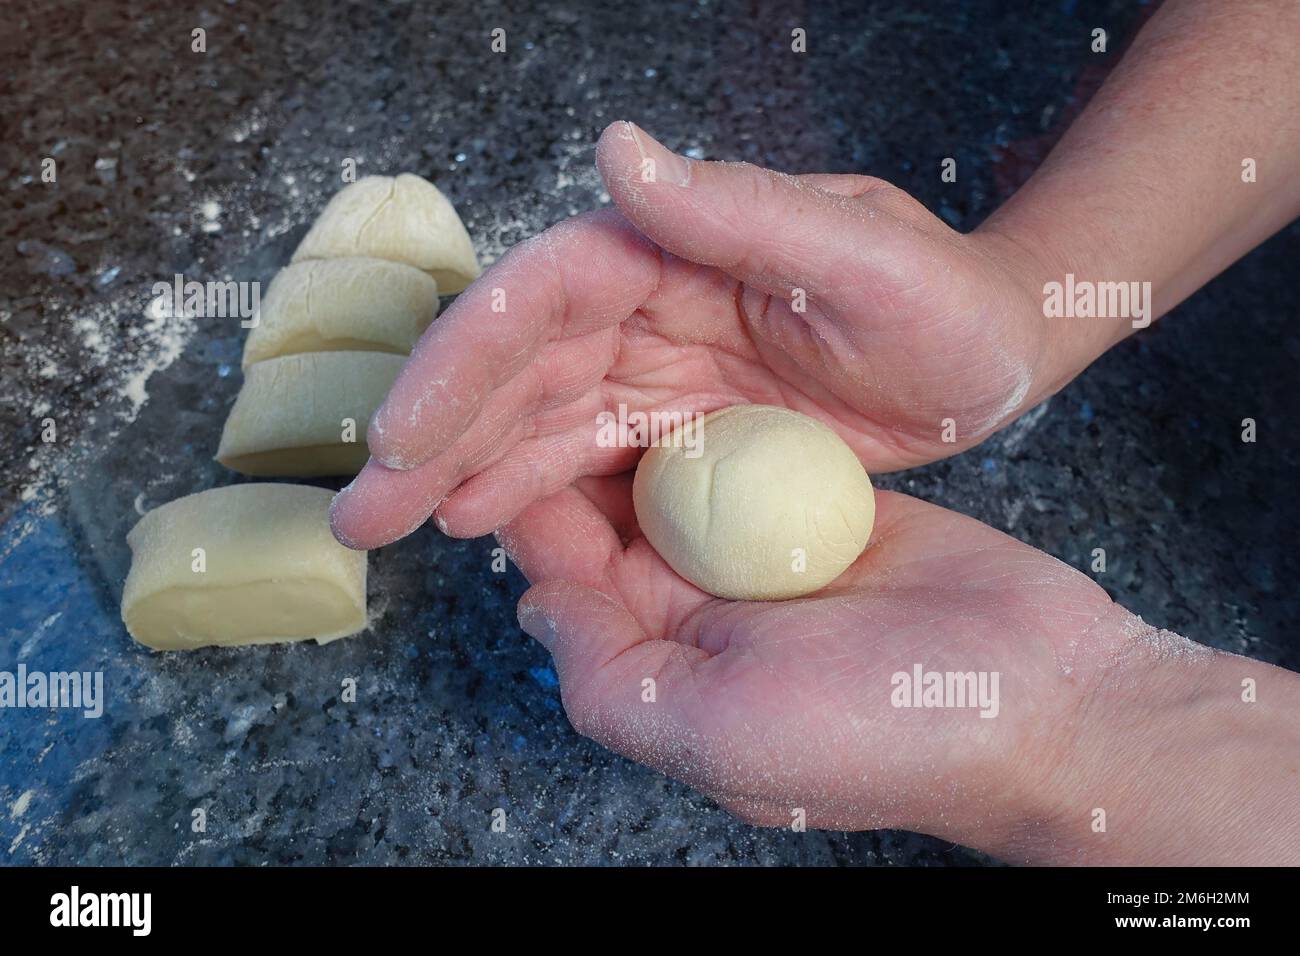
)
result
[(214, 164)]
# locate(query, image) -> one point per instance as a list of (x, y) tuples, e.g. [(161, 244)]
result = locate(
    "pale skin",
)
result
[(680, 299)]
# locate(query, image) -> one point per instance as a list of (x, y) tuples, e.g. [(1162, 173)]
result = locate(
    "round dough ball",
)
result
[(773, 505)]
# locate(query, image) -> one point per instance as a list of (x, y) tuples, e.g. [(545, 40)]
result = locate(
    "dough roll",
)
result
[(336, 305), (290, 418), (269, 570), (404, 219), (754, 503)]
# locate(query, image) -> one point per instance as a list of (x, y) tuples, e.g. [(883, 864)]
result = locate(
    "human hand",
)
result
[(907, 324), (776, 707), (772, 706)]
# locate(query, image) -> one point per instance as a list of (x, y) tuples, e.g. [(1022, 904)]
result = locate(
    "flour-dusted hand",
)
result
[(837, 296), (811, 711)]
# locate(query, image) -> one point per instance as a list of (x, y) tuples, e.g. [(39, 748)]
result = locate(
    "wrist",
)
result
[(1165, 759), (1048, 277)]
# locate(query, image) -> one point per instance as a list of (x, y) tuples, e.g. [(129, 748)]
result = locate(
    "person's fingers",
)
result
[(587, 534), (532, 470), (634, 694), (577, 534), (502, 464), (773, 231), (563, 537), (565, 444), (383, 504), (584, 274), (553, 396), (844, 184), (611, 495)]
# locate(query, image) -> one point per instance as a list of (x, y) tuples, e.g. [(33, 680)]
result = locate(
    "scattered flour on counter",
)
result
[(18, 840), (19, 806), (211, 216), (94, 378), (112, 346), (166, 335)]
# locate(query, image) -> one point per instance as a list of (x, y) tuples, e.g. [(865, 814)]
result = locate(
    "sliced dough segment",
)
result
[(272, 571), (329, 305), (404, 219), (288, 419)]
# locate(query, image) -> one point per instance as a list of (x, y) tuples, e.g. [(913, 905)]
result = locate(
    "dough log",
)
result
[(271, 571), (404, 219), (335, 305), (290, 417), (776, 505)]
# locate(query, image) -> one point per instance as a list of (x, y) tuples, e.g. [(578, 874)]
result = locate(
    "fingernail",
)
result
[(658, 163), (388, 457), (393, 462), (537, 625), (339, 535)]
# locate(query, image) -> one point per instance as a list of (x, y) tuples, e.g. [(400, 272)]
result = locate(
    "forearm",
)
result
[(1148, 184), (1181, 755)]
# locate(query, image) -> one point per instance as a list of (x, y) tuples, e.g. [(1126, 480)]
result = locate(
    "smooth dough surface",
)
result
[(771, 488), (273, 571), (288, 418), (404, 219), (353, 304)]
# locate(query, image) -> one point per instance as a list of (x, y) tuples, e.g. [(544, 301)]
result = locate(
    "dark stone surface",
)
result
[(214, 164)]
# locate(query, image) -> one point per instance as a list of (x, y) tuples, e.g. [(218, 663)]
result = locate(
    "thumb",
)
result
[(768, 229), (584, 630), (604, 659)]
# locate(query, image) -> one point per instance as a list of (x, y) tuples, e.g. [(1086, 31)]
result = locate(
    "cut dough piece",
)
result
[(405, 219), (271, 570), (774, 506), (290, 417), (332, 305)]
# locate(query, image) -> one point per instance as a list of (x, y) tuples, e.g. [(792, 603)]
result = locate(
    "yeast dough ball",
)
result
[(774, 505)]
